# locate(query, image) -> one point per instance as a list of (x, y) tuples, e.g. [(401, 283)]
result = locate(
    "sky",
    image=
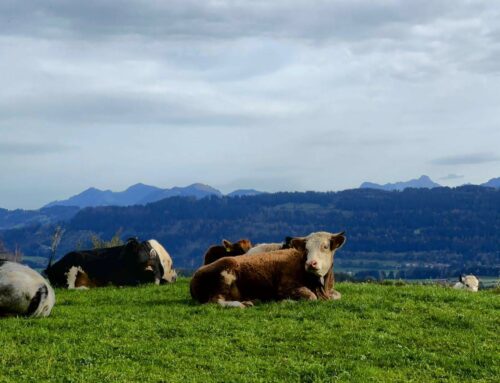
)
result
[(273, 95)]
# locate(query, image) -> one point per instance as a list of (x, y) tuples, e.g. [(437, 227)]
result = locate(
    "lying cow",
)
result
[(24, 292), (128, 265), (305, 271), (227, 249), (267, 248), (467, 282)]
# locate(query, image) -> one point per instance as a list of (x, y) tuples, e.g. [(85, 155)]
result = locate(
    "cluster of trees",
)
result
[(5, 254), (416, 232)]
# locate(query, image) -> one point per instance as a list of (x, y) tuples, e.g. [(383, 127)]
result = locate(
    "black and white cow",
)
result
[(131, 264), (24, 292)]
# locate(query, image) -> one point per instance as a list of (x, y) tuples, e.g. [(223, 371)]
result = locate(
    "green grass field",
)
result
[(156, 334)]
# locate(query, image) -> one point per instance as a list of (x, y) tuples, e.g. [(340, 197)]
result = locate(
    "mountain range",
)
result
[(141, 194), (418, 183), (423, 182)]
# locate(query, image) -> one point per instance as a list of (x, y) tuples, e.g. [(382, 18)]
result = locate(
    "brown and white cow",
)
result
[(227, 249), (305, 271)]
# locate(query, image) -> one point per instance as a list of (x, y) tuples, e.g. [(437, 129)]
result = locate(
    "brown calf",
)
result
[(303, 272), (227, 249)]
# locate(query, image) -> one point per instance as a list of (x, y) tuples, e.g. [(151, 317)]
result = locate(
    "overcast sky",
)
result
[(273, 95)]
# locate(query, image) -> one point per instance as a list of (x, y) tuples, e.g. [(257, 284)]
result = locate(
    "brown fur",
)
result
[(227, 249), (275, 275), (83, 280)]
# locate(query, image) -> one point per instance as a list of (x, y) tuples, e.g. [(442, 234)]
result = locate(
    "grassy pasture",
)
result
[(156, 334)]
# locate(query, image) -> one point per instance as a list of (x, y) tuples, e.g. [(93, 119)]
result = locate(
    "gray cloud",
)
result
[(220, 19), (467, 159), (452, 176), (32, 149), (275, 95)]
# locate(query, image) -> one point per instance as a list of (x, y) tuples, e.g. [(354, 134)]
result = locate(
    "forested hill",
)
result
[(436, 231)]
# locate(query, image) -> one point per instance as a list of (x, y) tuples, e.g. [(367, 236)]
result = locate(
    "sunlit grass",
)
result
[(157, 334)]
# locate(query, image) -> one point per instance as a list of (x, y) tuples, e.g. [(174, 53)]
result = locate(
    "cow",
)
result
[(24, 292), (227, 249), (467, 282), (305, 271), (266, 248), (131, 264)]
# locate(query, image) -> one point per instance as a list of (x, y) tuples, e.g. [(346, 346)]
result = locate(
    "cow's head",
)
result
[(470, 282), (167, 273), (238, 248), (319, 248), (143, 263)]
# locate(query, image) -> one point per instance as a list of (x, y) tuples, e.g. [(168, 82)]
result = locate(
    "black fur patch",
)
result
[(40, 295)]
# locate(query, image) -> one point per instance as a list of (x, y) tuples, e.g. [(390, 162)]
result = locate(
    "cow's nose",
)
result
[(312, 264)]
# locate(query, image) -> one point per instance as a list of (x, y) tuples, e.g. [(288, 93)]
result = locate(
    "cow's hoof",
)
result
[(336, 295), (247, 303), (232, 304)]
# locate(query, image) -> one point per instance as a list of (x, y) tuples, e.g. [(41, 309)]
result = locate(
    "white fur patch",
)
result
[(229, 278), (264, 248), (169, 274), (71, 276)]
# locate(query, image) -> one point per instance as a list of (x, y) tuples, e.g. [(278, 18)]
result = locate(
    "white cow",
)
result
[(24, 292), (467, 282), (265, 248)]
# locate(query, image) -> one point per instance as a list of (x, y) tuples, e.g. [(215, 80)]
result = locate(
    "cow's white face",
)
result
[(169, 274), (320, 248)]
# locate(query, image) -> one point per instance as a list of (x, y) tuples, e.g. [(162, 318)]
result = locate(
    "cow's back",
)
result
[(208, 279), (261, 276), (213, 254), (95, 263)]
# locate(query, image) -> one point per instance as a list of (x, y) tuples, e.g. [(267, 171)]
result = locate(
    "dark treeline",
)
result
[(416, 232)]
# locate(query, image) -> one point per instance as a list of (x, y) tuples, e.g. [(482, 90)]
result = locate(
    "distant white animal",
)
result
[(265, 248), (24, 292), (467, 282)]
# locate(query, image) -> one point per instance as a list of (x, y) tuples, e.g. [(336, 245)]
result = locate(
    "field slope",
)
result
[(156, 334)]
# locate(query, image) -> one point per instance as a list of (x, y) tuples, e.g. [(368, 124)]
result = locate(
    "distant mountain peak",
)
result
[(493, 183), (137, 194), (423, 181)]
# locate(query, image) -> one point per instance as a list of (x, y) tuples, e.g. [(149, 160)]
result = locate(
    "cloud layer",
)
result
[(278, 95)]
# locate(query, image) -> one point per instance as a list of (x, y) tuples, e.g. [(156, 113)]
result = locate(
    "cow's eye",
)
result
[(326, 247)]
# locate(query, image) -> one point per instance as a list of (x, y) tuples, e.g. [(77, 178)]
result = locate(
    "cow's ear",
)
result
[(132, 243), (228, 245), (286, 243), (337, 241), (297, 243)]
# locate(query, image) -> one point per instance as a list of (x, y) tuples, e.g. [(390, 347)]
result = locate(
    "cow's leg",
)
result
[(231, 304), (221, 301), (302, 293), (230, 295)]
